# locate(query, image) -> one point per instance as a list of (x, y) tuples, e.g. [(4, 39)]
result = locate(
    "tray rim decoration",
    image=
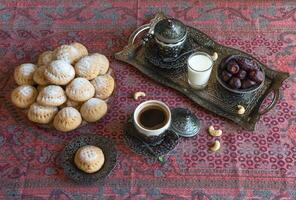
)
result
[(247, 121)]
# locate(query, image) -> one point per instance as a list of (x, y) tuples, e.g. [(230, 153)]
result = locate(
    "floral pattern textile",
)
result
[(249, 165)]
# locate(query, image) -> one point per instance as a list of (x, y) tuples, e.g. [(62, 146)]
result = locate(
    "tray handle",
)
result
[(276, 95)]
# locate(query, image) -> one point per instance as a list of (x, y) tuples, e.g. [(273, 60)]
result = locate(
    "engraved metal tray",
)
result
[(214, 97)]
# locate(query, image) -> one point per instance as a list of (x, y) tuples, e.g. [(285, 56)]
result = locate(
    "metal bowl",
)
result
[(227, 87)]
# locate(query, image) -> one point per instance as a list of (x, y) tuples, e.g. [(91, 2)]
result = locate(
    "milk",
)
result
[(199, 70)]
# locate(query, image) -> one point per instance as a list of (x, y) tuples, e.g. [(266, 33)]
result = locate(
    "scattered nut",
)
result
[(215, 146), (241, 110), (213, 132), (215, 56), (138, 94)]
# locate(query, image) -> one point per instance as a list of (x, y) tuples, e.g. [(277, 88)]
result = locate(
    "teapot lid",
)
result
[(170, 30), (184, 122)]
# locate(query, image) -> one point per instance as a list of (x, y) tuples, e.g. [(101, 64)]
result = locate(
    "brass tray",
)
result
[(214, 97)]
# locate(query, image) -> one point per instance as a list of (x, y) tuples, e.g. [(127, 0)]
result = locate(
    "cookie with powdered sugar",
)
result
[(93, 109), (80, 89), (23, 74), (45, 58), (102, 61), (91, 66), (104, 86), (89, 158), (70, 53), (52, 95), (23, 96), (39, 77), (71, 103), (81, 49), (41, 114), (59, 72), (67, 119)]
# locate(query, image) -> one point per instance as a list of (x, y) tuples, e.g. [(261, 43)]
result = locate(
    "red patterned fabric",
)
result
[(250, 165)]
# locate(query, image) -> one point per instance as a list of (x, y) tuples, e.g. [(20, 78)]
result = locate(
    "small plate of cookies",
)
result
[(89, 158), (67, 88)]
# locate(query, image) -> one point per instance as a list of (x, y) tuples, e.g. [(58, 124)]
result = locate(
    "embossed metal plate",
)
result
[(214, 97)]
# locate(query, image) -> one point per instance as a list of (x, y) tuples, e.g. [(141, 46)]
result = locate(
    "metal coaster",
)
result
[(68, 153), (168, 143), (184, 122)]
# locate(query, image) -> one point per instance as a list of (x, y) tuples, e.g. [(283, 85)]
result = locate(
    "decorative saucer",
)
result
[(169, 142), (68, 153)]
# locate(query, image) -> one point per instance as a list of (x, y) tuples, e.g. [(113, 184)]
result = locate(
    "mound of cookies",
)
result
[(66, 87)]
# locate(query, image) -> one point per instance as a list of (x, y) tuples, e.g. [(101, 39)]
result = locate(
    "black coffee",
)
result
[(152, 118)]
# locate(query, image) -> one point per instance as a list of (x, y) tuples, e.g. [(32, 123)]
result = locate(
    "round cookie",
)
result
[(89, 158), (59, 72), (45, 58), (102, 61), (80, 48), (51, 95), (38, 76), (41, 114), (23, 74), (67, 119), (104, 86), (71, 103), (93, 109), (23, 96), (74, 104), (80, 89), (88, 67), (40, 87), (67, 53)]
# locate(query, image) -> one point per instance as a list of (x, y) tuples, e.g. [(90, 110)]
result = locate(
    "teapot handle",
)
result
[(158, 17), (134, 34)]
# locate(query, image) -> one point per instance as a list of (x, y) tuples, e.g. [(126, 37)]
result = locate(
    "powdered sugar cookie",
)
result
[(104, 86), (51, 95), (23, 74), (45, 58), (89, 158), (41, 114), (93, 109), (71, 103), (40, 87), (102, 62), (38, 76), (80, 48), (59, 72), (88, 67), (67, 119), (80, 89), (23, 96)]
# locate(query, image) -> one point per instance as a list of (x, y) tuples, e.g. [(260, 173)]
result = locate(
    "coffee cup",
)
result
[(151, 119)]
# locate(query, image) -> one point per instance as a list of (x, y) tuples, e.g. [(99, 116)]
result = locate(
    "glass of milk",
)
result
[(199, 67)]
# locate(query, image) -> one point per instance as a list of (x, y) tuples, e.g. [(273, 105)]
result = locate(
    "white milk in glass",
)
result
[(199, 69)]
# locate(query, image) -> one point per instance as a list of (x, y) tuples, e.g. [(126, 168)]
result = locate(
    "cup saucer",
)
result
[(169, 142), (66, 159)]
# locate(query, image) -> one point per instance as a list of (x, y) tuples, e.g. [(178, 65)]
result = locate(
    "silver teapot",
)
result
[(169, 35)]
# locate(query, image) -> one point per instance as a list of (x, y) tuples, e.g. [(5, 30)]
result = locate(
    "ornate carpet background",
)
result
[(250, 165)]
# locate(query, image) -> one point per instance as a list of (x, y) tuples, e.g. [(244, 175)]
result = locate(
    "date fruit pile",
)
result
[(241, 73)]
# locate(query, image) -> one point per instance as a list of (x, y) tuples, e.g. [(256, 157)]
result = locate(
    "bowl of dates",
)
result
[(240, 74)]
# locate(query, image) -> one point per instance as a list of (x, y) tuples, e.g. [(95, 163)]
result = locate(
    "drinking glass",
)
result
[(199, 67)]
